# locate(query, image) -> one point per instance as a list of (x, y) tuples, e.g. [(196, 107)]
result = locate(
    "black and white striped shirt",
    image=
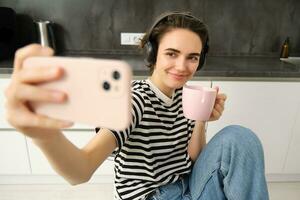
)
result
[(153, 151)]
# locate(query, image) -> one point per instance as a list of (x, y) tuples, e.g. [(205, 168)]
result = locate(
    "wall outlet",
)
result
[(131, 38)]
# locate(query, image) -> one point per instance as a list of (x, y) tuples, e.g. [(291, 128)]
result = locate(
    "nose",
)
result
[(181, 64)]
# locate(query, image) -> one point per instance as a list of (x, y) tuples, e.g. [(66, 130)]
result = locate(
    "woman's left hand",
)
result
[(218, 107)]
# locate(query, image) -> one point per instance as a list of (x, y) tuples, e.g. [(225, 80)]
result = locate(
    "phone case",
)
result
[(99, 91)]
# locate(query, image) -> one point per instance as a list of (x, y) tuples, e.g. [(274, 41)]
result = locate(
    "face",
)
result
[(177, 59)]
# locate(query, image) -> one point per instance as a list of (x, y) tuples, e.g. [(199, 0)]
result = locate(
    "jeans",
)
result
[(231, 166)]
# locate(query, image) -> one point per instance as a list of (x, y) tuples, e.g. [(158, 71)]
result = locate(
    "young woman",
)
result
[(161, 155)]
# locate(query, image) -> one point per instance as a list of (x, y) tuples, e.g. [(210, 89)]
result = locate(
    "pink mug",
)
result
[(198, 102)]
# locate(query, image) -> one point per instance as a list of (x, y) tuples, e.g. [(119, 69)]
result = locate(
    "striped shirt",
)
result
[(152, 151)]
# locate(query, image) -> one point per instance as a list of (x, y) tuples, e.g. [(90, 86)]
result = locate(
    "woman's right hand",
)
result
[(22, 90)]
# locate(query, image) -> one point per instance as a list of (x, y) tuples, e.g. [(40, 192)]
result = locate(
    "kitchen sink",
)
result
[(292, 60)]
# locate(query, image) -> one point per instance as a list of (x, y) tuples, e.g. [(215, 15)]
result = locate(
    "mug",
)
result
[(198, 102)]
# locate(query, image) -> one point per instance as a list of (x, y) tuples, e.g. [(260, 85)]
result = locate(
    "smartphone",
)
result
[(98, 91)]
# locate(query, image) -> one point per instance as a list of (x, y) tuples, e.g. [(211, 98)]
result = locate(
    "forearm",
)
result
[(197, 141), (65, 158)]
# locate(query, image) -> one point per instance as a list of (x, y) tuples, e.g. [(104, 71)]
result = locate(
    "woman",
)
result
[(161, 155)]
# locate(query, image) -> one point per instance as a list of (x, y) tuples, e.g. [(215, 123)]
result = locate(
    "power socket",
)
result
[(131, 38)]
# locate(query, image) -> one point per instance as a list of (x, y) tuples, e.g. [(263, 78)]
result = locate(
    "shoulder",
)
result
[(140, 90), (139, 86)]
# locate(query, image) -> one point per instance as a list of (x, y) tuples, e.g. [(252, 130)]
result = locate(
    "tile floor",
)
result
[(278, 191)]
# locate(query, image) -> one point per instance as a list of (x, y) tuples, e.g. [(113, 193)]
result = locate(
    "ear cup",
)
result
[(151, 51), (203, 55), (202, 60)]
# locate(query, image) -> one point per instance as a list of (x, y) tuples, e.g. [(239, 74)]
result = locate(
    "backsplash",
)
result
[(90, 27)]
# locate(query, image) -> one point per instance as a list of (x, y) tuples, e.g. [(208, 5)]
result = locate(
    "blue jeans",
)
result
[(231, 166)]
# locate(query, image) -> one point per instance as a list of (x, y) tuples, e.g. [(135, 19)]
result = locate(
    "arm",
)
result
[(197, 141), (74, 164)]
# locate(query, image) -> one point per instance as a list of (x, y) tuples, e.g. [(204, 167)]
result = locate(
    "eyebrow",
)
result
[(177, 51)]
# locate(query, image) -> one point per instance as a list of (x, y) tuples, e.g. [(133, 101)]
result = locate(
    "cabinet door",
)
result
[(41, 166), (3, 84), (268, 108), (292, 165), (80, 139), (13, 154)]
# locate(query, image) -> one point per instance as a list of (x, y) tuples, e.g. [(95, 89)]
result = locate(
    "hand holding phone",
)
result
[(98, 91)]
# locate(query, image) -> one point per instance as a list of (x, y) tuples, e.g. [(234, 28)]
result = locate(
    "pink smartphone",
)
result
[(99, 91)]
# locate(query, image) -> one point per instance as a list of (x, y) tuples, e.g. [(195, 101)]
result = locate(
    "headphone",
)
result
[(151, 46)]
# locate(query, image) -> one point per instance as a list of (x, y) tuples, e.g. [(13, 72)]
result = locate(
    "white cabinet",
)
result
[(80, 139), (40, 165), (13, 154), (268, 108), (292, 165)]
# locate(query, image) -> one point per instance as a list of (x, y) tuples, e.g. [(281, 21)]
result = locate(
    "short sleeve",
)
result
[(136, 116)]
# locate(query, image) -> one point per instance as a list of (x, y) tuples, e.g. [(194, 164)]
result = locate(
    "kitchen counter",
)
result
[(218, 68)]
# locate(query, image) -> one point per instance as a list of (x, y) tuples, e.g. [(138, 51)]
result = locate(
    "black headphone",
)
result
[(151, 47)]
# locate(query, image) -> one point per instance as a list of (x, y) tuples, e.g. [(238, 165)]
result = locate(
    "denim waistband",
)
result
[(182, 181)]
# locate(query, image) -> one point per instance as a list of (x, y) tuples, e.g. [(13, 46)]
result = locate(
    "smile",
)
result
[(177, 76)]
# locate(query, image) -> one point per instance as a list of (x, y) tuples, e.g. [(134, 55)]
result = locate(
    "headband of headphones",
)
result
[(151, 48)]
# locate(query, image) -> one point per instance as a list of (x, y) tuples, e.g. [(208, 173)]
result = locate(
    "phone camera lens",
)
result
[(116, 75), (106, 85)]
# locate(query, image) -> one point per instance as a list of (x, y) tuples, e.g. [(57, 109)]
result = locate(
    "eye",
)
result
[(171, 54), (194, 58)]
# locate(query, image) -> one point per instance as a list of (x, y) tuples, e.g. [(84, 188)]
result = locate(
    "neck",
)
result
[(159, 84)]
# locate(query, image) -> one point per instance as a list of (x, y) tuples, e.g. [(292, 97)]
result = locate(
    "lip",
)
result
[(177, 76)]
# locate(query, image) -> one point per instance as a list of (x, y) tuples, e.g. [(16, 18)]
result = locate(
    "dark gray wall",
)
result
[(237, 27)]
